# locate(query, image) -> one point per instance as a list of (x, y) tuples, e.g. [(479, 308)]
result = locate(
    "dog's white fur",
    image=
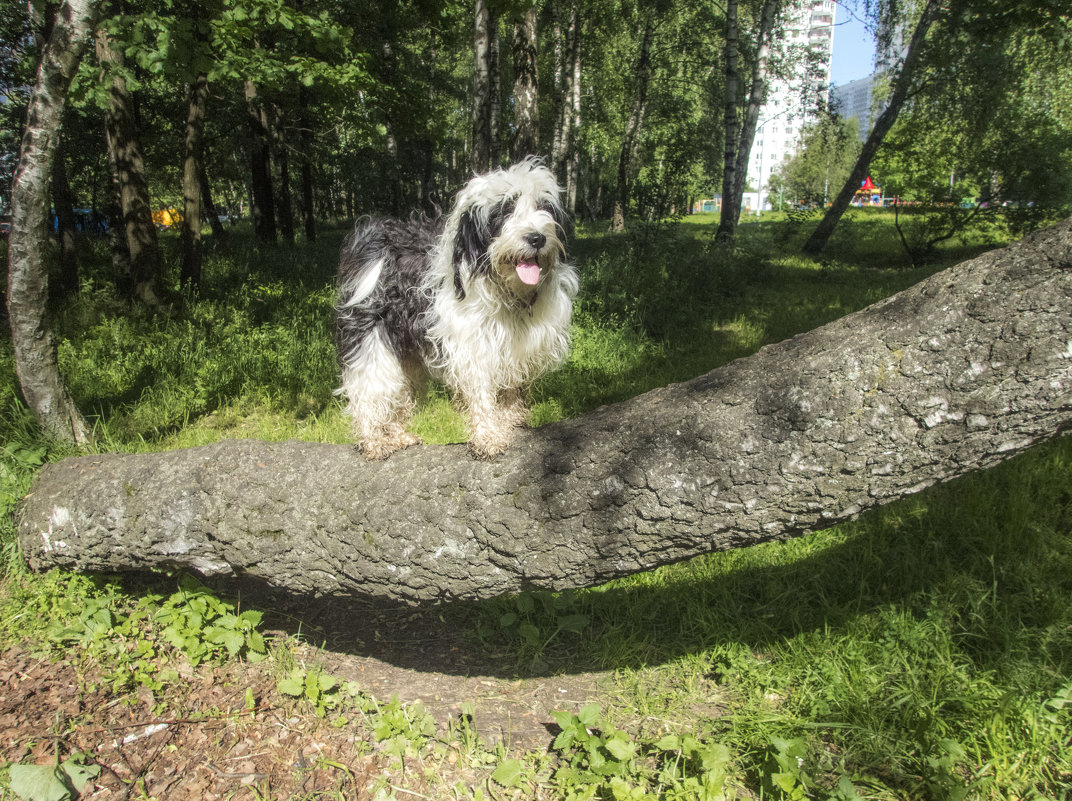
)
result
[(474, 318)]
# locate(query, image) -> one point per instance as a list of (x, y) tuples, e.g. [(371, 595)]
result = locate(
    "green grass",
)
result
[(924, 651)]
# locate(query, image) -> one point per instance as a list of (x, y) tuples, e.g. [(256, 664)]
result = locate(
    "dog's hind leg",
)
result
[(381, 398)]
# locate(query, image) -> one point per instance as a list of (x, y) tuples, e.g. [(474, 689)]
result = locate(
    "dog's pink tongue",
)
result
[(528, 272)]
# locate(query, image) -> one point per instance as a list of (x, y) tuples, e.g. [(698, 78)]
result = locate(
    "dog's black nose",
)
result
[(536, 239)]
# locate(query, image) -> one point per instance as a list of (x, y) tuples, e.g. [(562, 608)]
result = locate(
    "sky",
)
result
[(854, 47)]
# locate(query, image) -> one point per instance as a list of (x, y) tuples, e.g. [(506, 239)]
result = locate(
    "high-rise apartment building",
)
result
[(792, 101), (853, 99), (857, 98)]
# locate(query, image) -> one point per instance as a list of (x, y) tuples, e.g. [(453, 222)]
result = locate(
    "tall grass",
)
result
[(924, 651)]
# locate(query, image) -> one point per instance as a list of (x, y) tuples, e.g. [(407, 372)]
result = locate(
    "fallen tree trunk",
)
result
[(953, 375)]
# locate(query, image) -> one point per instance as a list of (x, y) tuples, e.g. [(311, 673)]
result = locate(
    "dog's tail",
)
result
[(360, 263)]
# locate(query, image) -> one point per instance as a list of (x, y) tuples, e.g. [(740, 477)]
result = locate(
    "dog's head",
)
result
[(509, 226)]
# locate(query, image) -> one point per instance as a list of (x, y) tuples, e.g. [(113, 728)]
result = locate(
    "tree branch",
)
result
[(953, 375)]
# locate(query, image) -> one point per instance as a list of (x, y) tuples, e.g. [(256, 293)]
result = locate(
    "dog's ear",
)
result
[(564, 222), (470, 250)]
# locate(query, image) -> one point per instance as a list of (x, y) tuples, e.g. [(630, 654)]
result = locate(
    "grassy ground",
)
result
[(924, 651)]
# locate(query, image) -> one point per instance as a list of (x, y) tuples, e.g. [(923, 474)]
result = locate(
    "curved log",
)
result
[(953, 375)]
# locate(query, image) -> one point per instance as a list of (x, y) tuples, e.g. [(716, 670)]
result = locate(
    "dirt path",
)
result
[(198, 739)]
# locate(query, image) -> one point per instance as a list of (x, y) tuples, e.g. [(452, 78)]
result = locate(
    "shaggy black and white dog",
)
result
[(480, 300)]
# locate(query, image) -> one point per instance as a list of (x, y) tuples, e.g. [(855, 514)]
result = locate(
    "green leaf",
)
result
[(51, 783), (565, 720), (529, 633), (715, 756), (589, 715), (40, 783), (312, 686), (786, 782), (234, 641), (508, 774), (79, 774), (564, 739), (670, 742), (292, 685), (574, 623), (620, 748), (252, 617)]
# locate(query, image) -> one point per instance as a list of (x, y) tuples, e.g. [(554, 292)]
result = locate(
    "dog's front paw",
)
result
[(379, 448), (488, 447)]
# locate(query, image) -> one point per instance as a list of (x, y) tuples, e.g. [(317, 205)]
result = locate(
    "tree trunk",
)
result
[(482, 88), (208, 205), (263, 202), (821, 235), (642, 76), (66, 225), (129, 166), (284, 208), (36, 362), (306, 122), (526, 83), (727, 218), (192, 170), (727, 223), (495, 73), (956, 374), (565, 155), (573, 149)]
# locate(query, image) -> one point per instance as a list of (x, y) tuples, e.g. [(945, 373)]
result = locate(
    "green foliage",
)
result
[(785, 776), (203, 627), (322, 692), (259, 337), (18, 461), (133, 641), (816, 173), (63, 781), (401, 729), (598, 760), (992, 121), (535, 621)]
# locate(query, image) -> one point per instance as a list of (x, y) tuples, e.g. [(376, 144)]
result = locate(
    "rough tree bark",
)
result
[(207, 203), (127, 161), (526, 83), (192, 171), (484, 30), (565, 154), (731, 202), (280, 156), (641, 79), (263, 205), (66, 225), (305, 120), (36, 361), (956, 374), (729, 125)]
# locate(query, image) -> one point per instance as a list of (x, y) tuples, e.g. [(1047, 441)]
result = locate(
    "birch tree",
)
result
[(36, 362)]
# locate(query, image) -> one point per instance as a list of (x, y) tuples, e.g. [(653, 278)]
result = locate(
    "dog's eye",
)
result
[(507, 208), (546, 206)]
